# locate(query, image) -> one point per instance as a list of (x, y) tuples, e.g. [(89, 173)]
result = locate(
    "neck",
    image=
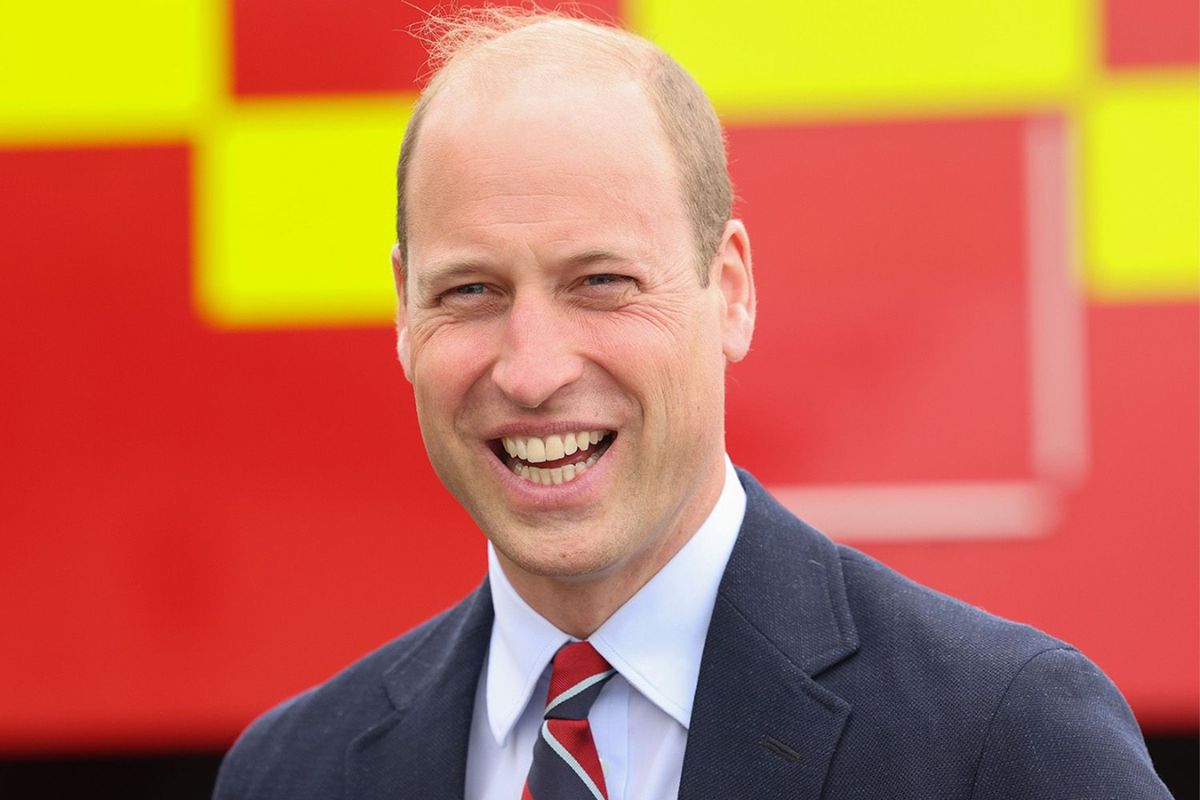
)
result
[(578, 605), (576, 608)]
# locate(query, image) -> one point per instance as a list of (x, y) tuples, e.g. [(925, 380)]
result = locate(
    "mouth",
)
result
[(555, 459)]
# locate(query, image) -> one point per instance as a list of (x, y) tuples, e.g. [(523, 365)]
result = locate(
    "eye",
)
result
[(465, 293), (605, 290), (605, 279), (468, 297)]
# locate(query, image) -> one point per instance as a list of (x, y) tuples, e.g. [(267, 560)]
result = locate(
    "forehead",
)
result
[(535, 147)]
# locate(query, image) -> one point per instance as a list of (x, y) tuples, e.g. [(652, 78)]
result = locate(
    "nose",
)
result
[(538, 353)]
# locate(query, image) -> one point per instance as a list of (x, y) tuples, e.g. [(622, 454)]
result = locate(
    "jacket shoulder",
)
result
[(892, 610), (947, 658), (297, 748), (1010, 710)]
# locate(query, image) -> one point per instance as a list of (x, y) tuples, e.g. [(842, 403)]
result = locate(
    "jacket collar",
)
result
[(761, 725), (420, 748)]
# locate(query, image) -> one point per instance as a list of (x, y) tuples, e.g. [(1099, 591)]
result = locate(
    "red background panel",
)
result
[(195, 524), (1151, 33), (891, 269), (351, 46)]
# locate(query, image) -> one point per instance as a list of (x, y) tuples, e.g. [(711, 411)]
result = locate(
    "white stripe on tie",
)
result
[(577, 688), (575, 766)]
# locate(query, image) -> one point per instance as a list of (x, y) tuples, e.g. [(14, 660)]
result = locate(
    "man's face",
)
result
[(567, 364)]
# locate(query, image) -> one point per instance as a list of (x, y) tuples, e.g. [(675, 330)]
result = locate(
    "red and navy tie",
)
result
[(565, 763)]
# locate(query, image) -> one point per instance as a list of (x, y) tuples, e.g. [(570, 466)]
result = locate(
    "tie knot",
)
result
[(578, 675)]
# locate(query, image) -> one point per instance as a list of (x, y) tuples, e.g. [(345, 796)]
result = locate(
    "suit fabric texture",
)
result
[(825, 676)]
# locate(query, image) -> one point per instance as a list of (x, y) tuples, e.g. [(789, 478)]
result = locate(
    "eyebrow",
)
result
[(594, 256), (444, 273)]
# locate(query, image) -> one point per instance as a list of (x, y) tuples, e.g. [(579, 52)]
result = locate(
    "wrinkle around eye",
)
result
[(433, 322), (665, 313)]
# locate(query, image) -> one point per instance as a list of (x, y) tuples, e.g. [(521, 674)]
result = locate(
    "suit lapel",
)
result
[(420, 748), (761, 726)]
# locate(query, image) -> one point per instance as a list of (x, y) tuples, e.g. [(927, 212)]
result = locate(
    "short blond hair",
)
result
[(687, 118)]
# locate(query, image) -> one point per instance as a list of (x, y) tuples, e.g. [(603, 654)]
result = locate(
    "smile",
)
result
[(561, 457)]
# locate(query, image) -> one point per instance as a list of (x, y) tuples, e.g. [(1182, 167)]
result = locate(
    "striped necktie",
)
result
[(565, 763)]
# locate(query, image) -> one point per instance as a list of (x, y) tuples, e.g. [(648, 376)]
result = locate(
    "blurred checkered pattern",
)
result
[(976, 233)]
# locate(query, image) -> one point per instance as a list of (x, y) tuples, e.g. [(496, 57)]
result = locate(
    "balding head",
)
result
[(486, 48)]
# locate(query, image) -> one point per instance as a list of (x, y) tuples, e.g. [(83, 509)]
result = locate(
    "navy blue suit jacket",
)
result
[(825, 675)]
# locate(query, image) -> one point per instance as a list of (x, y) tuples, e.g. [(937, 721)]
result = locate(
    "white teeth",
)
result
[(551, 477), (535, 449)]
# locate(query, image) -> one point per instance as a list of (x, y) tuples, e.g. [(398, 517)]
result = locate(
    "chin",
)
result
[(564, 555)]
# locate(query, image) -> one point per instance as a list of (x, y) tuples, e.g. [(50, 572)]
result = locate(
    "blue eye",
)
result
[(603, 280), (470, 288)]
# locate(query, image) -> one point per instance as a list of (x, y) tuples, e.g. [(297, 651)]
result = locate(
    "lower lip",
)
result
[(574, 492)]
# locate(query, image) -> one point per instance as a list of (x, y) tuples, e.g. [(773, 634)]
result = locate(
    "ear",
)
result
[(735, 279), (403, 348)]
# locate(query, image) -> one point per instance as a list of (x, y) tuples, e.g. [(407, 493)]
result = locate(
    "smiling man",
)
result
[(565, 339), (571, 290)]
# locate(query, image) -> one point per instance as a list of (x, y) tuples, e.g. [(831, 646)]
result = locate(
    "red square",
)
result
[(892, 343), (1151, 33), (324, 47)]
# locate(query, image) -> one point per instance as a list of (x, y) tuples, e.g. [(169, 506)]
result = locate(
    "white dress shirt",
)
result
[(654, 641)]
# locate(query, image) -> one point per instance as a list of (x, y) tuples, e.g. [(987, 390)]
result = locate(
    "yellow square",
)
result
[(1141, 172), (765, 55), (82, 64), (296, 214)]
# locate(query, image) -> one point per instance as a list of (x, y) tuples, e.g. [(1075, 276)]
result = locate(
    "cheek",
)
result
[(636, 356), (671, 370), (446, 366)]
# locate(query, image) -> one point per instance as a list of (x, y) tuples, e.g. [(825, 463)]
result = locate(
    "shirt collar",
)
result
[(654, 641)]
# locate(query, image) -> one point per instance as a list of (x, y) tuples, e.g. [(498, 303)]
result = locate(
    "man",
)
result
[(571, 287)]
